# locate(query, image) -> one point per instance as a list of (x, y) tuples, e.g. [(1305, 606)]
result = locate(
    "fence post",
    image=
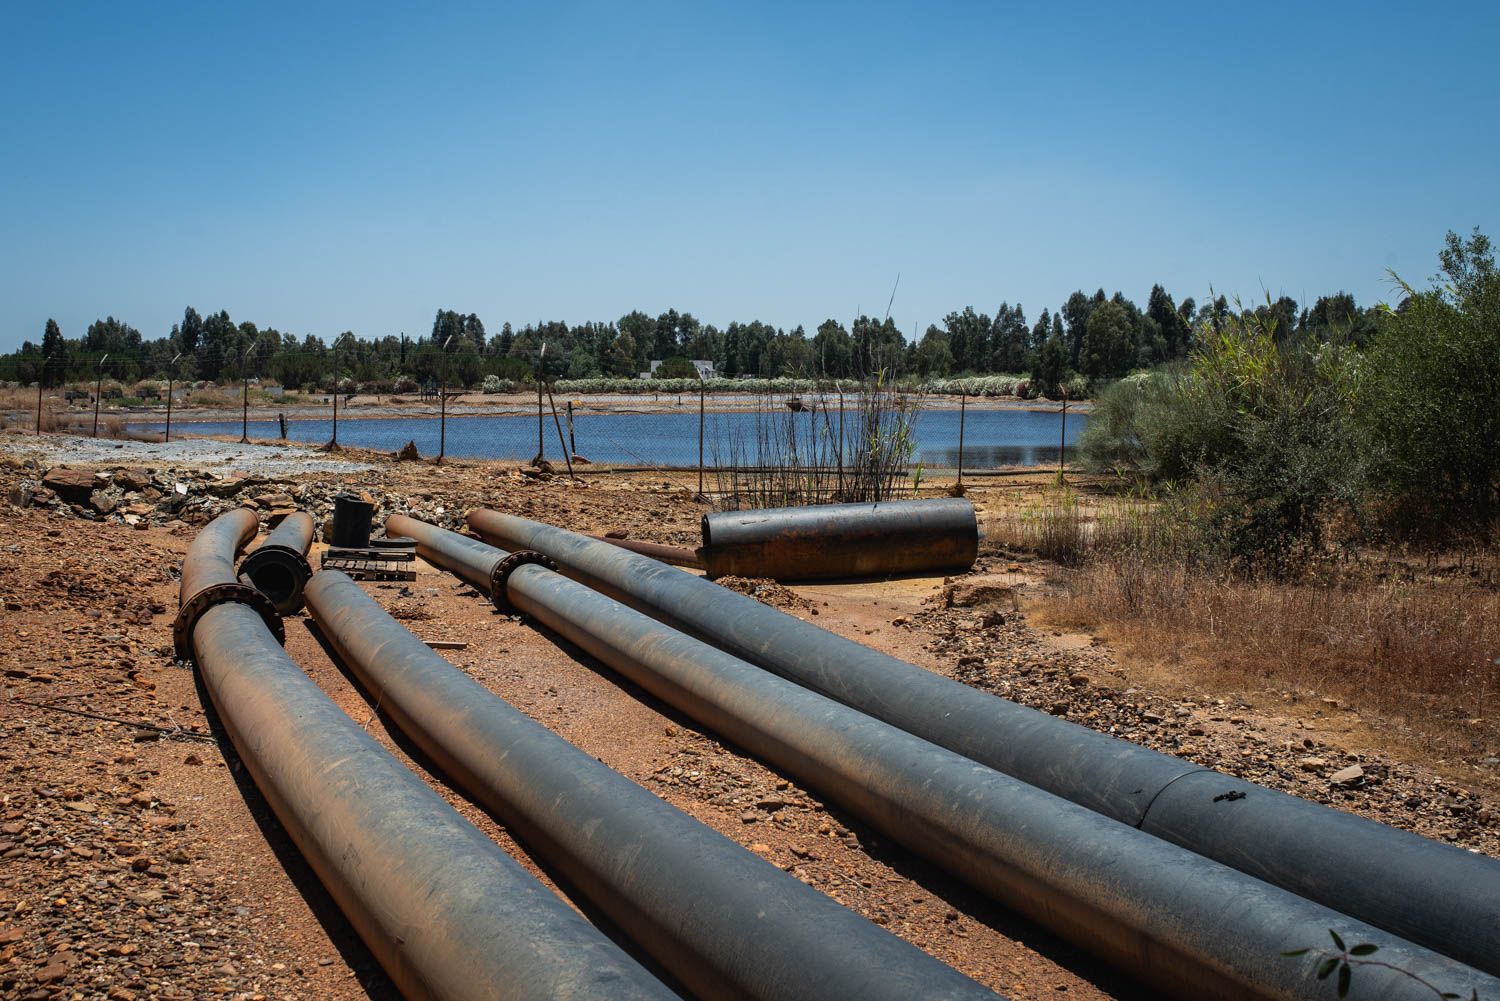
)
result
[(541, 438), (334, 443), (567, 455), (572, 442), (41, 378), (443, 421), (963, 406), (1062, 440), (700, 432), (98, 392), (839, 388)]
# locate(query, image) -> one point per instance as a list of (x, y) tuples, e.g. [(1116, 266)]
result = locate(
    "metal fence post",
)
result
[(171, 379), (700, 432), (443, 405), (98, 392), (245, 397), (1062, 440), (839, 388), (335, 442), (561, 443), (963, 406)]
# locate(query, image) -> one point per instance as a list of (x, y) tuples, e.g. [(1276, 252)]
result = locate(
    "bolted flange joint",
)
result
[(219, 594), (509, 565)]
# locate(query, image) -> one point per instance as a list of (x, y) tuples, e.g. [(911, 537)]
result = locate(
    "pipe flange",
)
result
[(286, 558), (221, 594), (509, 565)]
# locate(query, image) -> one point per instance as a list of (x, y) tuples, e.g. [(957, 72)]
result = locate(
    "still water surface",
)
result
[(991, 437)]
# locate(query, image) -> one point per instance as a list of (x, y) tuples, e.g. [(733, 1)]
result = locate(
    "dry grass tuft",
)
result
[(1415, 644)]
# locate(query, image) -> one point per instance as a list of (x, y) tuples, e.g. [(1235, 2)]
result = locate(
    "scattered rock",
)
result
[(972, 592), (132, 479), (74, 485)]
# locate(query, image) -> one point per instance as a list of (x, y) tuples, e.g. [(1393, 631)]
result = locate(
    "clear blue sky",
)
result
[(322, 167)]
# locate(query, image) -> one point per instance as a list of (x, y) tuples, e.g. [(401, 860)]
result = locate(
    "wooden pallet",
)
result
[(369, 569), (382, 563), (383, 555)]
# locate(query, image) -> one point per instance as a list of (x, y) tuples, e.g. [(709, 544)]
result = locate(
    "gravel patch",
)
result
[(263, 460)]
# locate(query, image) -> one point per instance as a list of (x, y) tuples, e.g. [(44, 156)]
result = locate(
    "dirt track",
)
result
[(143, 863)]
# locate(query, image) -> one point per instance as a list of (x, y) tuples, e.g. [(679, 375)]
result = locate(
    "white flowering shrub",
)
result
[(979, 385)]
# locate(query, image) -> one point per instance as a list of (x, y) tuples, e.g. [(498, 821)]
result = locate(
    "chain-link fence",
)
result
[(814, 435)]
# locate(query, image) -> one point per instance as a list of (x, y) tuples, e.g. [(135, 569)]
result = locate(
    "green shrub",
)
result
[(1113, 441), (1428, 412), (1252, 434)]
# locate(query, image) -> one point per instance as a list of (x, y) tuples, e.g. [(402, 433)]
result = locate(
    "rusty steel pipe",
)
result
[(678, 556), (835, 541), (721, 919), (1183, 923), (278, 567), (443, 909), (208, 578), (1434, 894), (469, 559), (210, 559)]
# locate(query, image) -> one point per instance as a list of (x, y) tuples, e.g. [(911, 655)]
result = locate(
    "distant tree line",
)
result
[(1096, 336)]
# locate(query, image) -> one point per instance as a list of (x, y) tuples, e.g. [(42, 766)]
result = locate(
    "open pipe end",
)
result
[(278, 573)]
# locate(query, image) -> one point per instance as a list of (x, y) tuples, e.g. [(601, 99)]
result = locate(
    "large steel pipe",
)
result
[(1185, 923), (1437, 895), (278, 567), (721, 919), (210, 559), (444, 910), (832, 541), (208, 578)]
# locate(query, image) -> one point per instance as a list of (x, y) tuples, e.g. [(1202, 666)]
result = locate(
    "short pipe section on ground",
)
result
[(841, 541)]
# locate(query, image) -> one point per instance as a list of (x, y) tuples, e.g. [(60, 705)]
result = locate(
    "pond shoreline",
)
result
[(512, 404)]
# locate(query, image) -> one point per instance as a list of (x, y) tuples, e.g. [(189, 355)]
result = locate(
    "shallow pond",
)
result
[(991, 437)]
